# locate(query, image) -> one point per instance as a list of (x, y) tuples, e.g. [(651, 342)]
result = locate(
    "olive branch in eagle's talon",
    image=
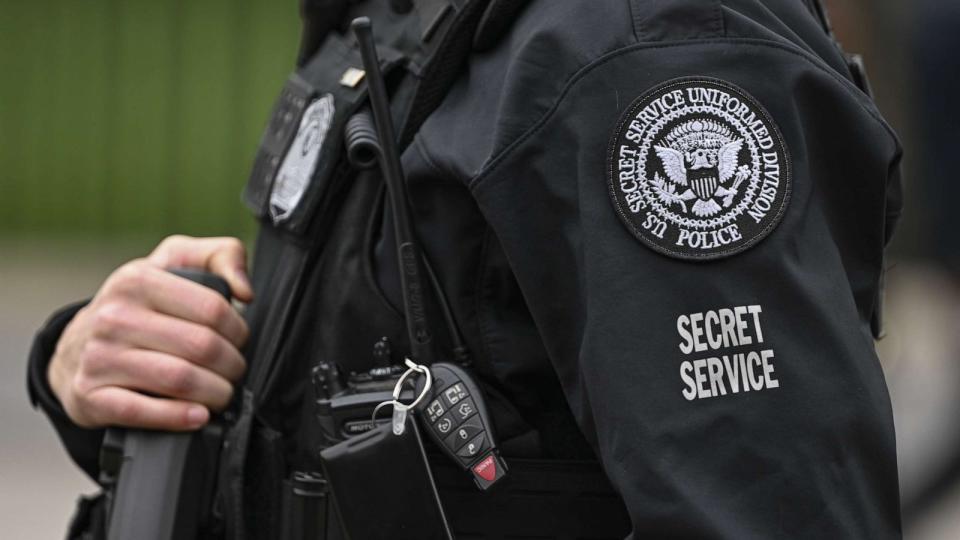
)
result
[(743, 172), (667, 192)]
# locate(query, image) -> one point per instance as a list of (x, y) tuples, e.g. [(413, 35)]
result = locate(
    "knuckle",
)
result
[(77, 412), (232, 367), (234, 244), (85, 410), (241, 369), (204, 344), (128, 278), (95, 357), (108, 317), (80, 386), (178, 380), (223, 398), (166, 251), (124, 411), (172, 240), (128, 272), (213, 310), (244, 331)]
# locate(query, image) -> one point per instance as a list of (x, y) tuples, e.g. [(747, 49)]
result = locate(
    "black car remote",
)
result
[(456, 418)]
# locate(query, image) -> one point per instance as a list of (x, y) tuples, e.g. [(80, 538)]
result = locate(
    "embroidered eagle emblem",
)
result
[(700, 158)]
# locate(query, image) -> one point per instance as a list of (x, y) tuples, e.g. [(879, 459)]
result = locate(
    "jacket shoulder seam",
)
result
[(494, 161)]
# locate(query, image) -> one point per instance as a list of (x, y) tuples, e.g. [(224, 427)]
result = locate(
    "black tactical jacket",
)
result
[(661, 228)]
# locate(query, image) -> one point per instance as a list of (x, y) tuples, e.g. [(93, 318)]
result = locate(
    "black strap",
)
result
[(497, 19), (449, 47)]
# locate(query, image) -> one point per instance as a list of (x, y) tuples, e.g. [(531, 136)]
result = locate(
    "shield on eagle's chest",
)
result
[(705, 186)]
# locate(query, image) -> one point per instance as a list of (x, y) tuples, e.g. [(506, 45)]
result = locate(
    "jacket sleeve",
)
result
[(697, 226), (83, 445)]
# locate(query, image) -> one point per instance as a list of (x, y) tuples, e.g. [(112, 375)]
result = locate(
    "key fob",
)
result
[(455, 416)]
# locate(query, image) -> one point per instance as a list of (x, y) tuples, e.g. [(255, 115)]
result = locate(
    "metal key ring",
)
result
[(397, 405), (403, 378)]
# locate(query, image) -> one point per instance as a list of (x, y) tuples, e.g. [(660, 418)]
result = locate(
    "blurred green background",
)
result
[(134, 118), (121, 122)]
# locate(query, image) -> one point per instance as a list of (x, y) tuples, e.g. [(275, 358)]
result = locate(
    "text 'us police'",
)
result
[(723, 372)]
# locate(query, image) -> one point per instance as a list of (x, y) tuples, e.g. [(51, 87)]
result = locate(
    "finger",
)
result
[(115, 406), (230, 262), (144, 329), (184, 299), (163, 375), (223, 256)]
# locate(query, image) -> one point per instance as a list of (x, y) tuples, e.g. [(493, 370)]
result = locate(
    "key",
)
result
[(455, 416), (399, 418), (425, 386)]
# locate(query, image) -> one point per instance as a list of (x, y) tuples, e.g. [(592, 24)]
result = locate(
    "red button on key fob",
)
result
[(457, 420)]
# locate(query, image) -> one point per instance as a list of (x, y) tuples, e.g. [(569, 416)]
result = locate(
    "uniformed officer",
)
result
[(660, 229)]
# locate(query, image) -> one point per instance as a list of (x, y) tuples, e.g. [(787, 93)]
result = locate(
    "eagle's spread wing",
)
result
[(727, 159), (673, 164)]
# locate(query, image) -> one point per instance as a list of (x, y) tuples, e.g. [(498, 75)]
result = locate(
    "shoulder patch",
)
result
[(698, 170)]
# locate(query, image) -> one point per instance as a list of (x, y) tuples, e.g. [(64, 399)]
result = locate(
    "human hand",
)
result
[(154, 350)]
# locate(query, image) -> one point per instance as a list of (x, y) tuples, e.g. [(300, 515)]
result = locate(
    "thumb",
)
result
[(230, 263), (223, 256)]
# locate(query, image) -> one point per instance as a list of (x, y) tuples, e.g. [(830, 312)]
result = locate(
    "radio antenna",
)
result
[(409, 256)]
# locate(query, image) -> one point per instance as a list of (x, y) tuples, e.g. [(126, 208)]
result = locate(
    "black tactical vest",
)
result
[(326, 287)]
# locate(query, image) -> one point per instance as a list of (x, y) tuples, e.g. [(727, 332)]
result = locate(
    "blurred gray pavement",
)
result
[(38, 484), (920, 359)]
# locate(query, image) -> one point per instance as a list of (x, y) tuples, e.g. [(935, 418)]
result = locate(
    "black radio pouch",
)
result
[(383, 487)]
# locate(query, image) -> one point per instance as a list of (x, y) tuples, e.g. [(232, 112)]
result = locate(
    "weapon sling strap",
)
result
[(449, 36)]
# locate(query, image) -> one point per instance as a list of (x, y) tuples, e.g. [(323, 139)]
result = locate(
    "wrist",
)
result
[(58, 372), (41, 376)]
